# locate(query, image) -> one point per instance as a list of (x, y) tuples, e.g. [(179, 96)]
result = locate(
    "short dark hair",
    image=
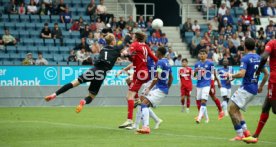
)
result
[(39, 53), (140, 36), (46, 24), (184, 59), (203, 51), (162, 50), (249, 44), (56, 24)]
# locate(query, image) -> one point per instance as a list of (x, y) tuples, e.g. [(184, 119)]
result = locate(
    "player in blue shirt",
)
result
[(225, 89), (203, 72), (247, 91), (158, 89)]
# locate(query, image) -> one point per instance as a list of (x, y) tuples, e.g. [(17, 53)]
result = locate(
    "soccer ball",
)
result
[(157, 23)]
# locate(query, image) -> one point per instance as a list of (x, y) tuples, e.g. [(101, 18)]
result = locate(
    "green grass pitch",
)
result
[(98, 126)]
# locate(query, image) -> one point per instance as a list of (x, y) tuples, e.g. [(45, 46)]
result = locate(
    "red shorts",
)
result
[(212, 91), (185, 91), (135, 85), (271, 93)]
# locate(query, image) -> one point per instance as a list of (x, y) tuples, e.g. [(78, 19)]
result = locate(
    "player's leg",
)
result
[(156, 119), (63, 89), (145, 114), (188, 103), (235, 115), (130, 108), (198, 97), (212, 93), (204, 98), (86, 100), (182, 103)]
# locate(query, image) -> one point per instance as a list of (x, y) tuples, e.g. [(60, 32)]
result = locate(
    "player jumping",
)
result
[(158, 88), (141, 52), (270, 101), (186, 88), (96, 75), (247, 91), (225, 89)]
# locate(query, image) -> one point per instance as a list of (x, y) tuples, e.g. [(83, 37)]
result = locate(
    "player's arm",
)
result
[(155, 79), (240, 74), (170, 80), (264, 57), (265, 78), (126, 69), (150, 54), (217, 79)]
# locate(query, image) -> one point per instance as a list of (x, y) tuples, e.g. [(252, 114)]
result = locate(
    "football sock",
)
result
[(224, 105), (217, 101), (130, 109), (202, 111), (64, 88), (138, 116), (263, 118), (243, 125), (182, 102), (188, 103), (88, 100), (206, 113), (238, 129), (145, 112), (198, 104), (153, 115)]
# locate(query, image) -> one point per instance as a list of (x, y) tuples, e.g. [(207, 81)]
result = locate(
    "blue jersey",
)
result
[(223, 77), (151, 67), (250, 62), (164, 68), (204, 73)]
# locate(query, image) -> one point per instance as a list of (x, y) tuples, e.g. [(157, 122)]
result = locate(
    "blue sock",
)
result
[(243, 125), (239, 130)]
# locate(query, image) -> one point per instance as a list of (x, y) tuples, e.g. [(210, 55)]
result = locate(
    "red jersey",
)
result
[(271, 49), (185, 75), (141, 52)]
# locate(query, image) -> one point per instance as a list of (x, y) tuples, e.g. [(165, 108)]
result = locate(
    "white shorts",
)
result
[(155, 96), (225, 92), (241, 98), (145, 86), (202, 93)]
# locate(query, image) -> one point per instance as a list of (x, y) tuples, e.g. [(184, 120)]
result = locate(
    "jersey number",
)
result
[(255, 67), (145, 52), (105, 55)]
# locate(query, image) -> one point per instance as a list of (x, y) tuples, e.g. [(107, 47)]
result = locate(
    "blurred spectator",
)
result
[(66, 16), (222, 9), (232, 48), (61, 8), (75, 26), (178, 60), (229, 17), (57, 33), (118, 34), (271, 24), (207, 39), (200, 46), (224, 23), (253, 28), (216, 56), (8, 39), (99, 24), (269, 10), (270, 33), (215, 23), (101, 40), (125, 31), (130, 21), (141, 22), (229, 31), (246, 18), (107, 29), (81, 24), (236, 60), (83, 45), (102, 12), (43, 10), (46, 32), (40, 60), (187, 27), (72, 57), (153, 41), (91, 10), (22, 9), (114, 23), (261, 35), (10, 8), (251, 9), (240, 32), (195, 41), (93, 43), (235, 40), (211, 32), (28, 59), (121, 23), (171, 53), (84, 57), (207, 4), (195, 26), (32, 8), (163, 40), (85, 32), (170, 60), (257, 20), (235, 3), (49, 6), (136, 28), (241, 48)]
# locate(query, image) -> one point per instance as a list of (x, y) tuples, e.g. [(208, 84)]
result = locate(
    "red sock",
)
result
[(261, 124), (130, 109), (198, 102), (217, 101), (182, 102), (188, 103)]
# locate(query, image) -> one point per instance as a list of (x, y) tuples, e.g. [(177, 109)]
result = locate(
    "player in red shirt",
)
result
[(140, 52), (186, 88), (270, 101)]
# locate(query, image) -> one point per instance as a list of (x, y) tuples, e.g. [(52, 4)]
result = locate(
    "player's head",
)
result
[(202, 54), (161, 52), (249, 44), (225, 62), (140, 37), (110, 39), (184, 62)]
